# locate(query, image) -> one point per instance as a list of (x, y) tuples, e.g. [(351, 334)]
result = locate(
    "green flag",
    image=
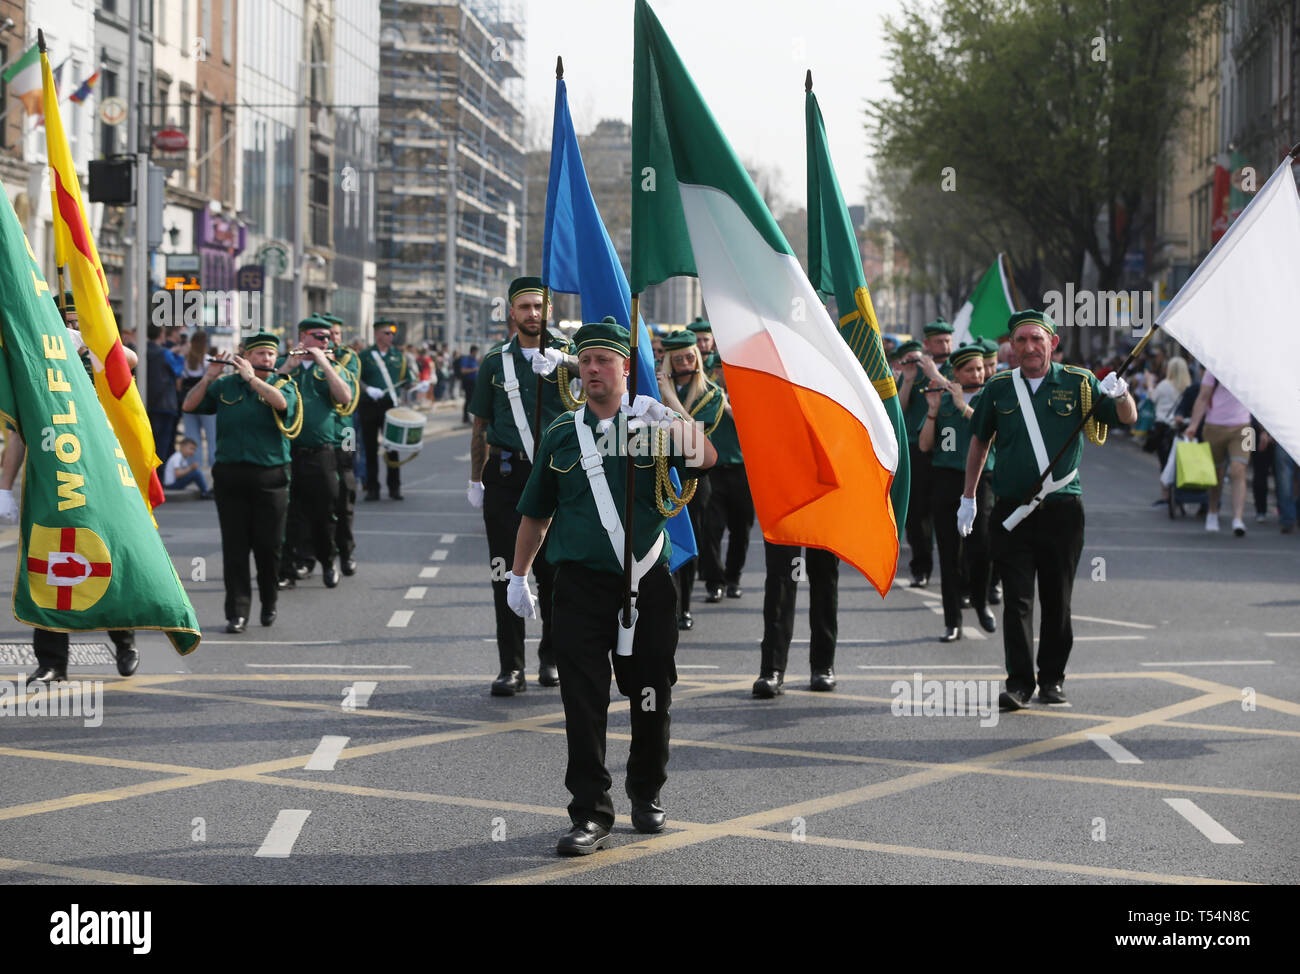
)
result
[(986, 311), (89, 556), (835, 267)]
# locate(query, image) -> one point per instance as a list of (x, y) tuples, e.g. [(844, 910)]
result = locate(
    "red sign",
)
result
[(1219, 204), (171, 140)]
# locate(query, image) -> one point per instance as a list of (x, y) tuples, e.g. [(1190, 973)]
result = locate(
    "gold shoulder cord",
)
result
[(667, 504), (346, 375), (704, 401), (1096, 431), (562, 382), (290, 432)]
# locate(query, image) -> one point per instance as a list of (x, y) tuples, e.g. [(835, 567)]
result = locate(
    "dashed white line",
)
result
[(1121, 754), (359, 693), (1207, 826), (1113, 622), (400, 619), (932, 666), (1212, 662), (416, 592), (439, 554), (330, 666), (431, 571), (326, 754), (696, 666), (278, 843), (447, 539)]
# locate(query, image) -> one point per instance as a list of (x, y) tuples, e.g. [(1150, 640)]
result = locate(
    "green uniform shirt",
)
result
[(1058, 407), (320, 420), (915, 408), (492, 403), (346, 360), (952, 436), (246, 428), (722, 428), (396, 362), (558, 488)]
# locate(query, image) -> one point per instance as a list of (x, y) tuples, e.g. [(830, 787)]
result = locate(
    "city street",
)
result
[(355, 740)]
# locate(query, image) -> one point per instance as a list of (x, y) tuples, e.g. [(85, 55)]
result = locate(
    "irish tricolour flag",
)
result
[(819, 449)]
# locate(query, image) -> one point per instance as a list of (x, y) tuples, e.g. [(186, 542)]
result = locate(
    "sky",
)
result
[(748, 59)]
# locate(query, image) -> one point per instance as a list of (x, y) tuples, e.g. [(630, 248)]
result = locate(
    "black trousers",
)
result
[(822, 569), (372, 421), (587, 606), (504, 478), (730, 509), (1046, 545), (51, 648), (345, 462), (313, 495), (962, 561), (920, 525), (252, 504), (684, 577), (467, 386)]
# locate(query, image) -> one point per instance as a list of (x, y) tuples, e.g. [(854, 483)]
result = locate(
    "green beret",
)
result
[(700, 326), (1039, 318), (964, 354), (262, 340), (989, 345), (937, 327), (333, 319), (605, 334), (385, 324), (912, 345), (312, 321), (524, 285), (683, 338), (68, 303)]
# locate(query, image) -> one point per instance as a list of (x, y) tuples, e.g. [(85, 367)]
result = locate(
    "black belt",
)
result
[(299, 451)]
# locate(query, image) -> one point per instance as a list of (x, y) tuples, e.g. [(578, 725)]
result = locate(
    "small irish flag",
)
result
[(24, 79), (819, 449)]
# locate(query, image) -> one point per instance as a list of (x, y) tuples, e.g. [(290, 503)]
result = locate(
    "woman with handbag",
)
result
[(1165, 397), (1226, 423)]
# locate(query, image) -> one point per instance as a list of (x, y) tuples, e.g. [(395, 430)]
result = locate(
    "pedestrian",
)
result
[(258, 414), (164, 372), (467, 371), (1034, 410), (730, 509), (501, 453), (576, 496), (345, 448), (384, 374), (202, 429), (181, 469), (1226, 421), (1164, 396)]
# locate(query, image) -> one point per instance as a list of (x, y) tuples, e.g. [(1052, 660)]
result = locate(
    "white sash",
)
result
[(594, 465), (516, 400), (388, 379), (1050, 483)]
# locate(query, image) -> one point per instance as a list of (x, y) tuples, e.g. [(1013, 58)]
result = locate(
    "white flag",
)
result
[(1239, 313)]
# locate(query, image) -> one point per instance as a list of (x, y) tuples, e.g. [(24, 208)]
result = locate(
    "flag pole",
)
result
[(546, 307), (635, 363)]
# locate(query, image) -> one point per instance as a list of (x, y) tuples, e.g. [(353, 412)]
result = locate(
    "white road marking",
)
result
[(838, 641), (416, 592), (330, 666), (1214, 662), (1103, 639), (278, 843), (430, 571), (400, 619), (933, 666), (1282, 635), (439, 555), (1113, 622), (527, 639), (1116, 750), (361, 691), (447, 539), (271, 642), (1207, 826), (326, 754), (464, 459), (695, 666)]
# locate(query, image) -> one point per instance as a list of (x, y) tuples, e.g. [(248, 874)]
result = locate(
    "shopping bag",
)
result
[(1169, 472), (1195, 465)]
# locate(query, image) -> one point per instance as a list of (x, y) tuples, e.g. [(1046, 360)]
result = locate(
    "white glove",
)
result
[(647, 409), (374, 392), (966, 516), (8, 507), (520, 597), (475, 494), (1114, 386), (546, 361)]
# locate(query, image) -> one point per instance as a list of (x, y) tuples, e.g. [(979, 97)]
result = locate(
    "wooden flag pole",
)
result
[(630, 498)]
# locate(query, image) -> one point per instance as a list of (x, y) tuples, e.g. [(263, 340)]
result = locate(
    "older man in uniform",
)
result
[(384, 375), (582, 488), (937, 345), (313, 489), (1034, 409), (501, 450)]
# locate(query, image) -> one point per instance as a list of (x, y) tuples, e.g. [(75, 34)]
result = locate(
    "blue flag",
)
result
[(579, 258)]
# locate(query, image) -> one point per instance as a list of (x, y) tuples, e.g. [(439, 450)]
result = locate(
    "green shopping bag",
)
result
[(1195, 465)]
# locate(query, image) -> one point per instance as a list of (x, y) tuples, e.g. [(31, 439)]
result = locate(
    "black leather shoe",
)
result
[(348, 566), (685, 621), (236, 624), (268, 615), (995, 594), (395, 495), (987, 620), (548, 675), (713, 593), (767, 687), (823, 681), (734, 591), (1053, 695), (648, 817), (47, 674), (128, 658), (331, 575), (285, 583), (1013, 700), (508, 683), (582, 840), (951, 635), (920, 581)]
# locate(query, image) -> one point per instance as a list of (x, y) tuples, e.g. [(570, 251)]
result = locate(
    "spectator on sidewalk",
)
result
[(1226, 422), (182, 470), (1165, 395)]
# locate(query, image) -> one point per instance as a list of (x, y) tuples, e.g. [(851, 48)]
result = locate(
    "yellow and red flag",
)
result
[(75, 247)]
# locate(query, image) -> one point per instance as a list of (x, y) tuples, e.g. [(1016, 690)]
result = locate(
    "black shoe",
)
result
[(508, 683), (548, 675), (1053, 695), (395, 495), (331, 575), (823, 681), (648, 817), (951, 635), (582, 840), (685, 621), (236, 624), (285, 583), (767, 687), (372, 497), (920, 581), (206, 495), (348, 566), (304, 569), (268, 615), (987, 622), (1013, 700), (713, 593), (734, 591), (995, 594), (128, 658), (47, 674)]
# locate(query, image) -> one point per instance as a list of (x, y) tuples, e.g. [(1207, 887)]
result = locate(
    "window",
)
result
[(227, 31), (227, 164), (108, 133), (205, 24), (185, 28), (162, 21), (205, 145), (160, 106), (186, 95)]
